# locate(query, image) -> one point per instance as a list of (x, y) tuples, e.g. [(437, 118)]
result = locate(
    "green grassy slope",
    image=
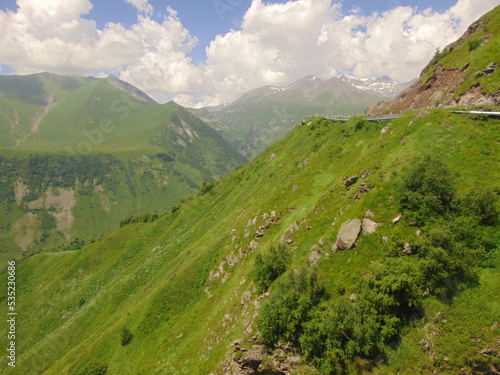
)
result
[(170, 297), (87, 152)]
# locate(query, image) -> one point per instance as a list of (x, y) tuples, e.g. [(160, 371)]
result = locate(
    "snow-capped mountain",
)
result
[(384, 85), (265, 114)]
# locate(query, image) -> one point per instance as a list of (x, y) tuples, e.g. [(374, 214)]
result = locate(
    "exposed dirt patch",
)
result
[(20, 191), (64, 200), (436, 92), (62, 203), (106, 205), (24, 231), (36, 204)]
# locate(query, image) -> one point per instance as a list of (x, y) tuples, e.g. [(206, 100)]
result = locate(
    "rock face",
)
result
[(348, 234)]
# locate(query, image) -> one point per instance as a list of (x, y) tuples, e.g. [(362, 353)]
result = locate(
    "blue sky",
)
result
[(208, 18), (212, 51)]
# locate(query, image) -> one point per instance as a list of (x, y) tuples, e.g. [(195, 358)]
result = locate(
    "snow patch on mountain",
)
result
[(384, 85)]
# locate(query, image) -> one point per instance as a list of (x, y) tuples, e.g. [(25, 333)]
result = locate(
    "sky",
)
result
[(208, 52)]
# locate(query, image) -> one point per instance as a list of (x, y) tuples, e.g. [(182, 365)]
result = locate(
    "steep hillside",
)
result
[(264, 115), (344, 248), (465, 73), (80, 154)]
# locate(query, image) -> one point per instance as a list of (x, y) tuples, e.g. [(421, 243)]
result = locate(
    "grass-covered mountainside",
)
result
[(351, 247), (80, 154), (264, 115), (257, 274), (465, 73)]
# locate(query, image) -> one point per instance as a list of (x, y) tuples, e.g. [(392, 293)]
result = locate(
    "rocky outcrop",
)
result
[(443, 86), (254, 359), (289, 232), (396, 219), (363, 188), (349, 181)]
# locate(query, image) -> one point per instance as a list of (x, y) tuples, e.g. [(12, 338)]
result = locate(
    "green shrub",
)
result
[(448, 254), (427, 189), (126, 336), (76, 244), (145, 218), (483, 205), (94, 368), (359, 123), (474, 44), (269, 265), (48, 221), (361, 324), (206, 187), (286, 310)]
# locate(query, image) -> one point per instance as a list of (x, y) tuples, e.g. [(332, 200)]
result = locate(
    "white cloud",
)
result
[(276, 44), (51, 35), (142, 6), (279, 43)]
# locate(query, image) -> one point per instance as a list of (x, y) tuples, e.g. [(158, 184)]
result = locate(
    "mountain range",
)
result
[(384, 86), (264, 115), (356, 247)]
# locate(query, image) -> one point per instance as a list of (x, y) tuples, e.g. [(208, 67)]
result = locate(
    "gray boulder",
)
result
[(314, 257), (348, 234), (369, 226)]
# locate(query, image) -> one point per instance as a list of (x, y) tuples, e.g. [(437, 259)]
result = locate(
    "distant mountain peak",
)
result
[(138, 94), (311, 77), (307, 80)]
